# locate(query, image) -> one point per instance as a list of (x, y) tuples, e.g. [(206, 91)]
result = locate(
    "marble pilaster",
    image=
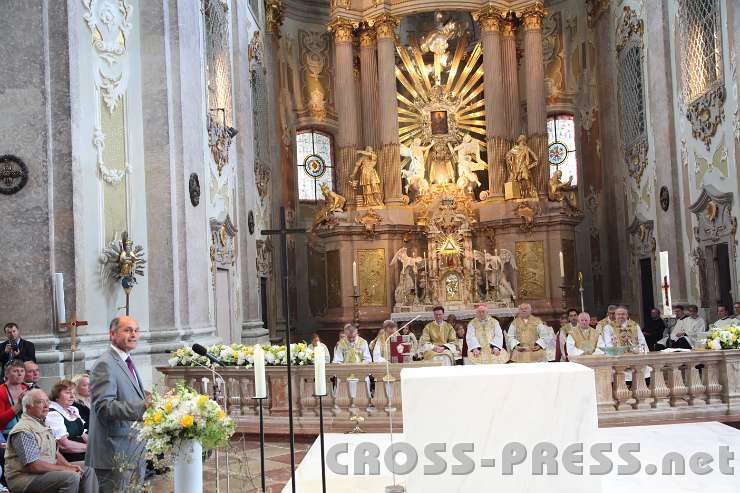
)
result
[(510, 71), (536, 106), (389, 157), (369, 81), (348, 134), (495, 97)]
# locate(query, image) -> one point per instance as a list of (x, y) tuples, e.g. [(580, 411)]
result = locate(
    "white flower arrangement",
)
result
[(724, 338), (241, 355)]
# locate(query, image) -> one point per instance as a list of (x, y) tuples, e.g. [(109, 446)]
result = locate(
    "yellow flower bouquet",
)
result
[(180, 415)]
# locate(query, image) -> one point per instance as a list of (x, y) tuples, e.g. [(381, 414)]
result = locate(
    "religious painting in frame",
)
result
[(317, 286), (438, 121), (333, 279), (371, 273), (530, 260)]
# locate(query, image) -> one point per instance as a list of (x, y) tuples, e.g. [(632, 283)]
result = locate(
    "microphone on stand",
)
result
[(202, 351)]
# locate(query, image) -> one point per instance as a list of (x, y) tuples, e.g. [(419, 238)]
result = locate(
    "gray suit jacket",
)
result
[(117, 402)]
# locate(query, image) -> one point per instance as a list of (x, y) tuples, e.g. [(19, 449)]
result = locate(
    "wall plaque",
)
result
[(194, 189), (13, 174), (371, 273), (665, 198), (530, 259)]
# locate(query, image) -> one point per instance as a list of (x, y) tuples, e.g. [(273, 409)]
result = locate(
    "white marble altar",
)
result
[(491, 406), (655, 442)]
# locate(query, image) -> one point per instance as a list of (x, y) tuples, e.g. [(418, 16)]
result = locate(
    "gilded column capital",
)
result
[(342, 29), (367, 36), (385, 25), (489, 18), (508, 26), (532, 16), (273, 16)]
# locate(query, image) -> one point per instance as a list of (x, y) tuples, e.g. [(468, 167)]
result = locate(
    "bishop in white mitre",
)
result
[(485, 338), (526, 337)]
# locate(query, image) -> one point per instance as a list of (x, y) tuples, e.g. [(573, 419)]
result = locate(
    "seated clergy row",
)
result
[(526, 339)]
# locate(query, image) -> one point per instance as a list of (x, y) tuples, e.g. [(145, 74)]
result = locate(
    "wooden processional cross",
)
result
[(284, 232), (72, 325)]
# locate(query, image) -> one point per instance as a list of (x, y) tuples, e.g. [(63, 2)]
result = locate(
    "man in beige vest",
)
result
[(526, 337), (33, 464)]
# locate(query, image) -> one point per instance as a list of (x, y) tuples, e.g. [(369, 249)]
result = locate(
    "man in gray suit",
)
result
[(118, 400)]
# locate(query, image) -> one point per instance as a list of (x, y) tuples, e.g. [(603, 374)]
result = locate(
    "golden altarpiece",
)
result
[(445, 194)]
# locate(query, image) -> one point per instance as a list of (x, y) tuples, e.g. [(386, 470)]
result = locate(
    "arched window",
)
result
[(315, 163), (561, 146), (700, 46)]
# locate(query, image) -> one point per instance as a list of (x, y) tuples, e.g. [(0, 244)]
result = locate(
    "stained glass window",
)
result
[(315, 165), (561, 146)]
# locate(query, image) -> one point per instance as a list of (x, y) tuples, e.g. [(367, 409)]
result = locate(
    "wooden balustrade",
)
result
[(631, 389)]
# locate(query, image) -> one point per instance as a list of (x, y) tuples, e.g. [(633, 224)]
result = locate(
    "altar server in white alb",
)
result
[(527, 336), (354, 349), (485, 338), (688, 329), (724, 319), (380, 346), (584, 339)]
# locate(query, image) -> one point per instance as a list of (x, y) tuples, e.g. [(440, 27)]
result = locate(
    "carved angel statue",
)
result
[(468, 161), (409, 269), (495, 277), (559, 191), (416, 154), (333, 202), (436, 40), (520, 160), (122, 260), (366, 177)]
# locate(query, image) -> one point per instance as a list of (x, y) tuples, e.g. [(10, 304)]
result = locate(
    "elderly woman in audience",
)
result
[(82, 396), (66, 423), (11, 393)]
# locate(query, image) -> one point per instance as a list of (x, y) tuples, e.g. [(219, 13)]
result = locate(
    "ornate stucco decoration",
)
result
[(489, 18), (706, 114), (532, 16), (220, 137), (630, 28), (594, 9), (109, 22), (223, 234), (385, 25), (264, 258), (636, 157), (713, 211), (256, 50), (718, 163), (641, 233), (314, 54), (262, 174), (369, 220), (527, 211), (735, 96), (110, 176), (343, 29), (274, 13)]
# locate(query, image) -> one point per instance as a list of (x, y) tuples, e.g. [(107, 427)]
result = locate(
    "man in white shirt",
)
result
[(688, 329), (723, 319)]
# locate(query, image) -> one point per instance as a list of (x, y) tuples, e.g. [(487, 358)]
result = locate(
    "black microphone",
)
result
[(202, 351)]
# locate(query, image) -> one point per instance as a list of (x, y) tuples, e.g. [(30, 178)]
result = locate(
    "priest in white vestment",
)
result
[(380, 346), (724, 319), (485, 338), (438, 340), (626, 333), (526, 337), (688, 330), (354, 349)]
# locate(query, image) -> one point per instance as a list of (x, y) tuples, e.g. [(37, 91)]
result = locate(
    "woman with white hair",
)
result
[(82, 395)]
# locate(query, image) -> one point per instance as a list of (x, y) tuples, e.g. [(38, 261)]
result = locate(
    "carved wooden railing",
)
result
[(687, 386), (347, 386), (683, 386)]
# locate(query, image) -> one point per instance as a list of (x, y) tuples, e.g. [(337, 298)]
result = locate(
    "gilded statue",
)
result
[(559, 191), (468, 161), (441, 170), (122, 260), (366, 177), (333, 202), (520, 160), (414, 172)]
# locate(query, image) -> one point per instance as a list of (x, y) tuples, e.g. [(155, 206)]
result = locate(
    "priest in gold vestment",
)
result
[(380, 346), (352, 350), (606, 320), (485, 338), (526, 337), (438, 340), (584, 339)]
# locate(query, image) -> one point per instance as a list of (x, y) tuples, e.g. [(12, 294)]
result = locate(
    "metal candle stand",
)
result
[(262, 443), (321, 439)]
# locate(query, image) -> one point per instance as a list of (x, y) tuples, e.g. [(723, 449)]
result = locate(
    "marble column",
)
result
[(348, 134), (389, 156), (536, 106), (510, 73), (369, 87), (490, 19)]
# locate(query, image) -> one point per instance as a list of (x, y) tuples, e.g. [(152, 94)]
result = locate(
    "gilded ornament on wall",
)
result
[(333, 279), (372, 277), (630, 29), (706, 114), (530, 259)]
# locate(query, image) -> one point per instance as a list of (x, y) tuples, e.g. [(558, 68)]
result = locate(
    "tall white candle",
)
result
[(354, 273), (562, 266), (59, 296), (319, 370), (260, 387)]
